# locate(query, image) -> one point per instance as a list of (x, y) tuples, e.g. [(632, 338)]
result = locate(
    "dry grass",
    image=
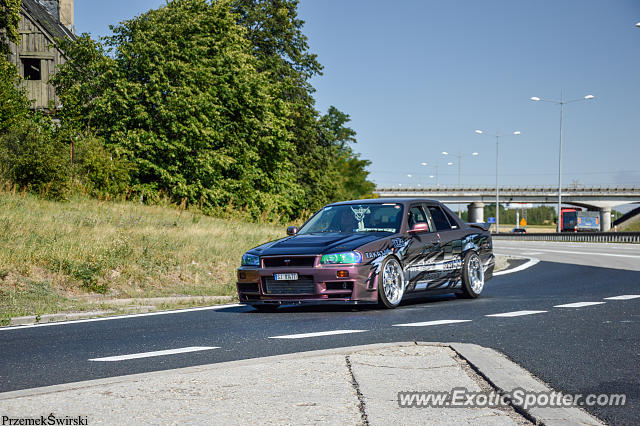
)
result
[(56, 256)]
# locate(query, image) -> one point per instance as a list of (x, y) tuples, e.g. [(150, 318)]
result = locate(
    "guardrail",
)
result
[(593, 237)]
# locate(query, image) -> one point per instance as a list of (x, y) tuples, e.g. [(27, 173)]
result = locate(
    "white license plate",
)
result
[(286, 277)]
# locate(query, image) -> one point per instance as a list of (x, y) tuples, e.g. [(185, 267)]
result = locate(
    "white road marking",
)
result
[(623, 297), (532, 261), (515, 313), (320, 333), (589, 253), (532, 253), (177, 311), (427, 323), (579, 304), (155, 353)]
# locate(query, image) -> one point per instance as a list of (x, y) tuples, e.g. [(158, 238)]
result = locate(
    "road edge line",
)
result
[(531, 262), (125, 316)]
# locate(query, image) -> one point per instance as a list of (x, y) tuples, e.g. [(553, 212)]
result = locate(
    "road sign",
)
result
[(491, 220), (523, 222)]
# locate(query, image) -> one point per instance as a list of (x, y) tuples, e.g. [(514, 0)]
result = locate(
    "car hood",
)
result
[(318, 243)]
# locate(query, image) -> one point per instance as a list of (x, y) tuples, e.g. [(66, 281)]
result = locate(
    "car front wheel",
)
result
[(391, 283)]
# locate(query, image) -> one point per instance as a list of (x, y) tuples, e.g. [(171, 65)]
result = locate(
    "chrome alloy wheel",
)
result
[(393, 281), (475, 272)]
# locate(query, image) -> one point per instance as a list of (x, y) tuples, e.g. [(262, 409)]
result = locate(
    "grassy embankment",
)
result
[(82, 254)]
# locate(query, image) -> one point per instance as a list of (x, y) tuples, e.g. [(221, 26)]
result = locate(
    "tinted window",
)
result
[(383, 217), (439, 219), (452, 220)]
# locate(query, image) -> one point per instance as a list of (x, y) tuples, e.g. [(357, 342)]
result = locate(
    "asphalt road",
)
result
[(589, 349), (620, 256)]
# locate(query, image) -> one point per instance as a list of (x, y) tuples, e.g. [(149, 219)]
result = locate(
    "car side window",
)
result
[(452, 220), (439, 219), (417, 215)]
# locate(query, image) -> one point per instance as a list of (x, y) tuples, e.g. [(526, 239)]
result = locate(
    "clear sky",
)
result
[(418, 77)]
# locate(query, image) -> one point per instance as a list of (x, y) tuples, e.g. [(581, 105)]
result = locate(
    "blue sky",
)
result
[(419, 77)]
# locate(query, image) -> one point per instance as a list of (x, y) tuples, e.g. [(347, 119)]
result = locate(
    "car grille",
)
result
[(303, 285), (283, 261)]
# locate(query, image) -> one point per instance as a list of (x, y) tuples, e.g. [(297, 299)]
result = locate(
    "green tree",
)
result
[(343, 167), (274, 31), (9, 21), (181, 97), (14, 105)]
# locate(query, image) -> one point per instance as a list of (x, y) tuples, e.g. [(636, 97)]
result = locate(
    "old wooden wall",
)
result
[(36, 44)]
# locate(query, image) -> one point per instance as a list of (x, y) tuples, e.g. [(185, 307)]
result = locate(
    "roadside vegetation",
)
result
[(207, 104), (57, 257), (183, 138)]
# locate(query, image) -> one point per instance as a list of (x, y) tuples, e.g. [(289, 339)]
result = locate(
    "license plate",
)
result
[(286, 277)]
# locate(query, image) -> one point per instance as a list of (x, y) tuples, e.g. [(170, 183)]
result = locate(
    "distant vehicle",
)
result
[(580, 221), (369, 251), (518, 231)]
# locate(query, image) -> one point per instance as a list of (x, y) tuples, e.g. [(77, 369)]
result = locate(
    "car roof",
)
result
[(399, 200)]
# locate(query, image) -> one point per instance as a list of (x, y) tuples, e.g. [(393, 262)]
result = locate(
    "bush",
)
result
[(100, 173), (33, 160)]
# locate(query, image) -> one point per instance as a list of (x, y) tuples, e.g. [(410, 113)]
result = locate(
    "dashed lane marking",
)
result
[(428, 323), (578, 304), (515, 314), (155, 353), (623, 297), (318, 334)]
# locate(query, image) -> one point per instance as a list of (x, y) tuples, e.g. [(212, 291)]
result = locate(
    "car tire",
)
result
[(472, 276), (390, 283)]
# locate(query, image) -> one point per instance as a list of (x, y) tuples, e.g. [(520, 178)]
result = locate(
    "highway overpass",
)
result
[(600, 198)]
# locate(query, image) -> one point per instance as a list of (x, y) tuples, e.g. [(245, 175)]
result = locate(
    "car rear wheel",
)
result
[(391, 283), (472, 276)]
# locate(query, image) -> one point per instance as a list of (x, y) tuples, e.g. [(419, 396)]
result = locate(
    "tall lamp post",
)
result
[(497, 136), (435, 167), (562, 103), (459, 156)]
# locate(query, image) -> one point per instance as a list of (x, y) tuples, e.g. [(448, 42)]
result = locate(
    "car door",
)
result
[(451, 236), (423, 249)]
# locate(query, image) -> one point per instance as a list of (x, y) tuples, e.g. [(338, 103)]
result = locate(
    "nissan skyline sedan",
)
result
[(377, 251)]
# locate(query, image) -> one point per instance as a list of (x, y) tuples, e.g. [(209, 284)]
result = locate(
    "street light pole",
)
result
[(459, 157), (497, 188), (561, 102), (497, 136)]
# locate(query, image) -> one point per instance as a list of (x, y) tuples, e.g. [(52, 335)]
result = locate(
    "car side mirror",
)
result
[(292, 230), (419, 227)]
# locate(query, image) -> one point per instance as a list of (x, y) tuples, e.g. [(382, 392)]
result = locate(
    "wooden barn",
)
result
[(42, 21)]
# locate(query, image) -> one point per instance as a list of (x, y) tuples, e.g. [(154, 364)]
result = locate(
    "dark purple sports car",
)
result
[(369, 251)]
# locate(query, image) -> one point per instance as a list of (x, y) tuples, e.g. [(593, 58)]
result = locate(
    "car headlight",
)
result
[(338, 258), (250, 260)]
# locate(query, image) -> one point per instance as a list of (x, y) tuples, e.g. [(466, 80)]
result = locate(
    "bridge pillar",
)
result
[(476, 212), (605, 219)]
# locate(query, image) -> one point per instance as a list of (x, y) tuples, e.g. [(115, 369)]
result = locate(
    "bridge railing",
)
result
[(594, 237)]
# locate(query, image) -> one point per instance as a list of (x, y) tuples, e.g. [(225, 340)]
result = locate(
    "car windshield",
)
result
[(370, 217)]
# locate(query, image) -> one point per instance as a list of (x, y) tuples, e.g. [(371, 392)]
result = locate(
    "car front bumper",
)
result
[(318, 283)]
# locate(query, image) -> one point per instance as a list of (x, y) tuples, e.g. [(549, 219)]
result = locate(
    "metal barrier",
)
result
[(593, 237)]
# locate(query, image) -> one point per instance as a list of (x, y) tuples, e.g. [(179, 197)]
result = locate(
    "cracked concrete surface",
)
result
[(357, 385)]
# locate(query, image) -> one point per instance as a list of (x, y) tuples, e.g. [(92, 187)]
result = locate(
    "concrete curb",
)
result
[(33, 319), (506, 376), (501, 373)]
